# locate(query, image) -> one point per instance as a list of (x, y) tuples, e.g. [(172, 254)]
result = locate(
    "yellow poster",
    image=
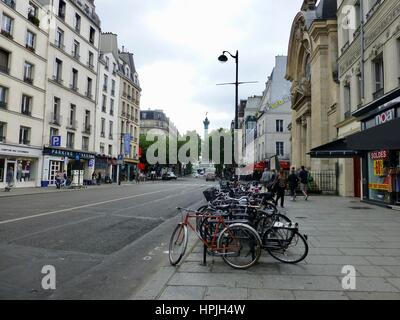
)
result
[(378, 168), (379, 186)]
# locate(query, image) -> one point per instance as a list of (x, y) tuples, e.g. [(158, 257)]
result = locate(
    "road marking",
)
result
[(147, 258), (77, 208)]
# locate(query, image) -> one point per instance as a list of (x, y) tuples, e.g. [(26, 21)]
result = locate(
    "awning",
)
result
[(335, 149), (131, 161), (384, 136)]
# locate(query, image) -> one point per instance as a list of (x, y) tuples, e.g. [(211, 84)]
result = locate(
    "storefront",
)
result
[(129, 169), (62, 160), (379, 142), (24, 163), (107, 167)]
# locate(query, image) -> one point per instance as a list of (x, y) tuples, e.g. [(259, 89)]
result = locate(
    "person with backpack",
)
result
[(304, 179), (280, 187), (266, 176), (293, 181)]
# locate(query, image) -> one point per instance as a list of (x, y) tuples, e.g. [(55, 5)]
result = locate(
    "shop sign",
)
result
[(378, 186), (385, 117), (380, 155), (56, 141), (68, 154), (379, 168)]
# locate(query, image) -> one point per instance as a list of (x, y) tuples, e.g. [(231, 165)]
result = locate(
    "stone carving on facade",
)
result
[(302, 88), (375, 50)]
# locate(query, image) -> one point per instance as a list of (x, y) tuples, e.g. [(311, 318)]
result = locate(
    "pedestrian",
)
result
[(137, 177), (280, 187), (99, 178), (304, 176), (9, 178), (94, 177), (272, 182), (293, 181), (266, 177), (59, 179)]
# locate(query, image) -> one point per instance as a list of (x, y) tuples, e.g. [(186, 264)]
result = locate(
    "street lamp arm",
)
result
[(233, 56)]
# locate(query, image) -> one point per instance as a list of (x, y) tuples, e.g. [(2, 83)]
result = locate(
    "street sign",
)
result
[(77, 157), (56, 141), (91, 163)]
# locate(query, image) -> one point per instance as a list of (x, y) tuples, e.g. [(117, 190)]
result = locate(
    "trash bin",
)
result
[(45, 184)]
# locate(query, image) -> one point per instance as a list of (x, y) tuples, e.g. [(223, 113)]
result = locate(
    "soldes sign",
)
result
[(385, 117), (380, 155)]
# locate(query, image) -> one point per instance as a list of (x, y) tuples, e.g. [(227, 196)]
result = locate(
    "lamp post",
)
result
[(223, 58)]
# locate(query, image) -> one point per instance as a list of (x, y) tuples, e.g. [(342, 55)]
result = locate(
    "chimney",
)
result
[(123, 49)]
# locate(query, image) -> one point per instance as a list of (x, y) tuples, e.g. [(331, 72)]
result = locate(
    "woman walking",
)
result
[(280, 187), (293, 180)]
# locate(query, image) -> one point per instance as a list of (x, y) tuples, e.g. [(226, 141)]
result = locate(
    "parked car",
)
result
[(169, 176), (210, 176)]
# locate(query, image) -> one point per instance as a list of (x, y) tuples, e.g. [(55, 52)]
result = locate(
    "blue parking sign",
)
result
[(56, 141)]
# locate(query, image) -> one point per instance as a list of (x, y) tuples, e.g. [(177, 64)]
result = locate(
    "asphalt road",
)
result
[(104, 243)]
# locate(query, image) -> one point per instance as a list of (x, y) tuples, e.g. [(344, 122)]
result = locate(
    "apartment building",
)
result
[(107, 138), (369, 73), (274, 117), (23, 62), (129, 113), (158, 122), (72, 79)]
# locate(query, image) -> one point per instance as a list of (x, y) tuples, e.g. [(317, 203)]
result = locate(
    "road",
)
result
[(104, 243)]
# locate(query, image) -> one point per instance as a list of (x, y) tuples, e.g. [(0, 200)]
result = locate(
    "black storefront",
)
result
[(378, 146)]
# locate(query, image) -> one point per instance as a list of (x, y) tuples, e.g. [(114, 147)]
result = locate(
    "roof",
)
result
[(327, 9)]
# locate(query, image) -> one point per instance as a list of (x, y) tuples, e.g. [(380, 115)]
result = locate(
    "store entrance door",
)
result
[(357, 178), (55, 167)]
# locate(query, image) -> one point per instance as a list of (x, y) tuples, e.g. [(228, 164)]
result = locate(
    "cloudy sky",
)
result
[(177, 42)]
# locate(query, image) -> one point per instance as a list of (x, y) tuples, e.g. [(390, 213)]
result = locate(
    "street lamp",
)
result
[(223, 59)]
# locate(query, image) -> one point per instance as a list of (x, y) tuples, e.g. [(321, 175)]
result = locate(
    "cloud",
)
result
[(177, 42)]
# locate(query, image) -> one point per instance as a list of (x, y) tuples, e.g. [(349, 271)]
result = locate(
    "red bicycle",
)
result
[(237, 243)]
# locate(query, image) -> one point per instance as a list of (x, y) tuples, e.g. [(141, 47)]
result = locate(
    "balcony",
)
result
[(104, 109), (89, 95), (7, 34), (111, 112), (30, 47), (3, 105), (4, 69), (87, 129), (378, 94), (113, 93), (90, 65), (102, 134), (74, 87), (76, 56), (124, 94), (55, 119), (26, 113), (25, 142), (28, 80), (58, 79), (105, 88), (123, 114), (10, 3), (111, 137), (59, 45), (129, 97), (72, 124)]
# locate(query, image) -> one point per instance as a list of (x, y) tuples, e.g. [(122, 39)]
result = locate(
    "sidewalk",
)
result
[(341, 232)]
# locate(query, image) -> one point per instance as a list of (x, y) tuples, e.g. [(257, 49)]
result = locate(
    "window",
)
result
[(26, 107), (279, 125), (76, 49), (92, 35), (280, 149), (111, 129), (59, 39), (113, 87), (85, 143), (28, 72), (379, 77), (3, 97), (105, 84), (72, 117), (347, 100), (7, 26), (58, 71), (74, 84), (54, 132), (104, 106), (4, 61), (32, 10), (87, 127), (24, 135), (91, 60), (111, 107), (78, 22), (110, 149), (103, 127), (102, 148), (70, 140), (107, 63), (61, 9), (89, 88), (2, 132), (55, 116), (30, 40)]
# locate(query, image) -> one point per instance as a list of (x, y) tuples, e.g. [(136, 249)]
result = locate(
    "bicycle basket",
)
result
[(210, 194)]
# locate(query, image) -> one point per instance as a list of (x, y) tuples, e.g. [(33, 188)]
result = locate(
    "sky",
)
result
[(176, 44)]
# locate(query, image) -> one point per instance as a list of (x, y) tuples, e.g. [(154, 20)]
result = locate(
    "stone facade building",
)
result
[(312, 70)]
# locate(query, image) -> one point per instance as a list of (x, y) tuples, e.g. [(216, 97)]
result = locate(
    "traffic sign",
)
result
[(56, 141)]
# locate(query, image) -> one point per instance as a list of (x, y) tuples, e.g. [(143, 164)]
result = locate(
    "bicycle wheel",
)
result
[(178, 244), (267, 221), (240, 245), (285, 245), (272, 207)]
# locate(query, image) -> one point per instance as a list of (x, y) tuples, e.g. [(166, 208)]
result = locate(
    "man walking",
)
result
[(293, 180), (280, 187), (303, 175), (266, 177), (9, 178)]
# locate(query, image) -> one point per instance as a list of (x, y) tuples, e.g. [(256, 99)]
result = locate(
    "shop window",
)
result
[(25, 171), (380, 170)]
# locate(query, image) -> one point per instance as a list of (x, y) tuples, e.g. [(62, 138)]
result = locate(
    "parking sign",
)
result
[(56, 141)]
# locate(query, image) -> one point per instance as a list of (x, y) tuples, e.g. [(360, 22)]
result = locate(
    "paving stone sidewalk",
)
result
[(342, 231)]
